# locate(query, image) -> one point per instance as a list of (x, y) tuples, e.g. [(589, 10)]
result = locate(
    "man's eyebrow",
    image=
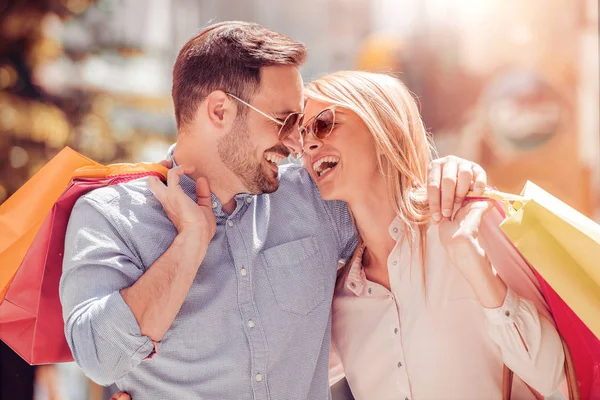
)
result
[(286, 112)]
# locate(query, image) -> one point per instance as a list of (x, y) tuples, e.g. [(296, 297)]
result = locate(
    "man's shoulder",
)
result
[(295, 173), (296, 185), (120, 198)]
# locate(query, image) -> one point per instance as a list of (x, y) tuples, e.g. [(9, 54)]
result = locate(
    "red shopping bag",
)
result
[(583, 344), (31, 321)]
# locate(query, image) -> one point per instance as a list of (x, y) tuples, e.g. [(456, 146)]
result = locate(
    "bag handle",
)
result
[(573, 386), (95, 171), (510, 202)]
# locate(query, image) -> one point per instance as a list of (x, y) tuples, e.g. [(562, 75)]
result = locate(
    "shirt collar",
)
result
[(395, 229), (189, 187), (356, 280), (187, 184)]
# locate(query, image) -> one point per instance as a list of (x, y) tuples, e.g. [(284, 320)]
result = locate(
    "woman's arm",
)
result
[(511, 299)]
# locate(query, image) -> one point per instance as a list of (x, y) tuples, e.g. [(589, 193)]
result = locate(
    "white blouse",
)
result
[(404, 343)]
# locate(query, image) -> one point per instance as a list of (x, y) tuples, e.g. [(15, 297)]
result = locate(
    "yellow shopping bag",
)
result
[(22, 215), (562, 244)]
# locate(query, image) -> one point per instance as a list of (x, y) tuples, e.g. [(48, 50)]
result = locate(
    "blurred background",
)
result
[(510, 84)]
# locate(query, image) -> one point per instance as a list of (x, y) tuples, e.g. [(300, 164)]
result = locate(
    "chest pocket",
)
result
[(296, 275)]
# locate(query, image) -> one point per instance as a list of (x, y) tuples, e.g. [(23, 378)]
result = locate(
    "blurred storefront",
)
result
[(512, 85), (80, 76)]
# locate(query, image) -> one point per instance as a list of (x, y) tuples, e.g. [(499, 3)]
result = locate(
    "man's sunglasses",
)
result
[(285, 128)]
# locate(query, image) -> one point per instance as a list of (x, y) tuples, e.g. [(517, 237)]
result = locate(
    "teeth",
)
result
[(324, 171), (274, 158), (317, 164)]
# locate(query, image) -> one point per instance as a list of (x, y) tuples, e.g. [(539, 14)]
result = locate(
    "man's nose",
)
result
[(294, 142)]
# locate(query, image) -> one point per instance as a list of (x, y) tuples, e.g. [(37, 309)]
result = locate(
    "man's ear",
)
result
[(221, 111)]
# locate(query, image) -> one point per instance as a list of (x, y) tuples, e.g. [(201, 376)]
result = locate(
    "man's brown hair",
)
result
[(228, 56)]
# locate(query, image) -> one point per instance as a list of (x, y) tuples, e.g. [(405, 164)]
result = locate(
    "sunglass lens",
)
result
[(323, 124), (288, 126)]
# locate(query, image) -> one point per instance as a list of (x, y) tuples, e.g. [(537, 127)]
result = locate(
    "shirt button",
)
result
[(395, 331), (214, 204), (244, 271), (370, 290), (248, 200), (352, 285), (251, 324), (229, 222), (258, 377), (395, 230), (394, 262), (399, 365), (507, 313)]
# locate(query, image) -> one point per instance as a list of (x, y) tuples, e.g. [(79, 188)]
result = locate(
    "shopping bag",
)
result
[(22, 215), (31, 320), (558, 245)]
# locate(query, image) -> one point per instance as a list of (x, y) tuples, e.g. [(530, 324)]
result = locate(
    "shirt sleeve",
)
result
[(342, 222), (336, 369), (530, 345), (100, 328)]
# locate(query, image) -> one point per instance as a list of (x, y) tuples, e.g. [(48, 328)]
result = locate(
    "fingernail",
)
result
[(437, 216), (446, 212)]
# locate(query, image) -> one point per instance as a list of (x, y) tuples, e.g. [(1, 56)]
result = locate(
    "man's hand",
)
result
[(156, 297), (184, 213), (166, 163), (449, 180), (120, 396)]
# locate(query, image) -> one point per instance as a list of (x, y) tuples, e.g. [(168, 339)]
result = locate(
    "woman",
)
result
[(418, 312)]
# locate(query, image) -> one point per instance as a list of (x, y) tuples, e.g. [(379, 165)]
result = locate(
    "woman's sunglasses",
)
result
[(320, 126)]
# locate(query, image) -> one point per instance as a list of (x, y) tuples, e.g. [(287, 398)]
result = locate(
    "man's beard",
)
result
[(239, 155)]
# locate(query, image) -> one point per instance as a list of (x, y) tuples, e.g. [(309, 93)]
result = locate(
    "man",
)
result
[(222, 295)]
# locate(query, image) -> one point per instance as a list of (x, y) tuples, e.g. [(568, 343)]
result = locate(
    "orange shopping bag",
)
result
[(31, 320), (22, 215)]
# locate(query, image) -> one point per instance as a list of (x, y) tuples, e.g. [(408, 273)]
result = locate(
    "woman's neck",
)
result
[(373, 212)]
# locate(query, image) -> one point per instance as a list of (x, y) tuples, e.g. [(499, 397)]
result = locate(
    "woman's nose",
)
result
[(312, 143)]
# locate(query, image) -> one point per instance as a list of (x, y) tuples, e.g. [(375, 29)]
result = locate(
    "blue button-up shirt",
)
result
[(256, 321)]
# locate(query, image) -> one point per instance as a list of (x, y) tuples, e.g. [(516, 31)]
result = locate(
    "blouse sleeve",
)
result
[(523, 327), (530, 345)]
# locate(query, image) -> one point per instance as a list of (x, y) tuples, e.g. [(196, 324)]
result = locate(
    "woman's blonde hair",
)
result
[(404, 148)]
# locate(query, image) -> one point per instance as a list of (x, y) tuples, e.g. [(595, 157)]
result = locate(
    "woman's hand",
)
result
[(460, 238), (449, 179), (460, 235)]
